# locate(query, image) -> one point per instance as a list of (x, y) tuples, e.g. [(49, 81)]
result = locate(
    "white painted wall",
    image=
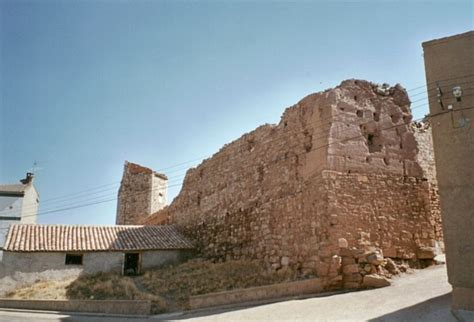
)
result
[(25, 208), (10, 206), (30, 205), (93, 262)]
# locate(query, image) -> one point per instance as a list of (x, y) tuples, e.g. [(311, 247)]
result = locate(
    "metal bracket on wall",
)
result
[(463, 121), (439, 95)]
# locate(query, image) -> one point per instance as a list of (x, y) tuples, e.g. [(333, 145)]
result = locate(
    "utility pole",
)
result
[(449, 68)]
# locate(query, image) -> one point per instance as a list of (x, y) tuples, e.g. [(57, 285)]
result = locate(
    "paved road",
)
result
[(423, 296), (37, 316)]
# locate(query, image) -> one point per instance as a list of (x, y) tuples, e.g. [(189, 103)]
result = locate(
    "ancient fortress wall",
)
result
[(142, 192), (341, 169), (425, 157)]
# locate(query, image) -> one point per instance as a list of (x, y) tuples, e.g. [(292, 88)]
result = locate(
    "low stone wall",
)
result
[(90, 306), (309, 286)]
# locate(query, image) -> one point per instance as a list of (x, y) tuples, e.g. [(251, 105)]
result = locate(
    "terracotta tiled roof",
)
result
[(59, 238)]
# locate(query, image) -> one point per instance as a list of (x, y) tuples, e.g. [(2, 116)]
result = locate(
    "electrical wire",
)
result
[(317, 148), (89, 191)]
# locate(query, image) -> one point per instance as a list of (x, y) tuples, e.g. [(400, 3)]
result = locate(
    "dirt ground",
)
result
[(422, 296)]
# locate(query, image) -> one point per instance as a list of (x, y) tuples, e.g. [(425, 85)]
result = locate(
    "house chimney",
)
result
[(29, 178)]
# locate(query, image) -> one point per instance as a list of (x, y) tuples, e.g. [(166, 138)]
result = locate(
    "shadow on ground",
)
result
[(435, 309), (244, 306)]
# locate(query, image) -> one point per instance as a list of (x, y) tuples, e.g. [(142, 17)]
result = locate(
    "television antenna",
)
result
[(35, 168)]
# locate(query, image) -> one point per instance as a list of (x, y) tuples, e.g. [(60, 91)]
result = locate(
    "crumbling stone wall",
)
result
[(142, 192), (340, 166), (391, 213), (425, 157)]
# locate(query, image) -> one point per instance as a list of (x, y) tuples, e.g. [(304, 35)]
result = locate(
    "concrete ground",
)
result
[(422, 296)]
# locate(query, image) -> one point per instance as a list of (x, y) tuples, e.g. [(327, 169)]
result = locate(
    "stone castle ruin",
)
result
[(345, 179), (142, 193)]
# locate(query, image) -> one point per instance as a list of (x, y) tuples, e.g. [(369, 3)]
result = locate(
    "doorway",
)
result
[(131, 264)]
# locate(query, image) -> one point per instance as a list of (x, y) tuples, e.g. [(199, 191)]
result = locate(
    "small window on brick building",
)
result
[(73, 259)]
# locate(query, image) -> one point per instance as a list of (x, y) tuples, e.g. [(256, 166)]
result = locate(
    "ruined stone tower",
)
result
[(142, 192)]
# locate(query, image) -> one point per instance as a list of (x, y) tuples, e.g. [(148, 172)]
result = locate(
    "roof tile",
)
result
[(56, 238)]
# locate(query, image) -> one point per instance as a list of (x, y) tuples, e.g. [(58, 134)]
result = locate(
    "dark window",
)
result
[(9, 218), (73, 259), (132, 264), (373, 141)]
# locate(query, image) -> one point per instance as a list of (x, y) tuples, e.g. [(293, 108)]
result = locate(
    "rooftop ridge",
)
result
[(83, 238)]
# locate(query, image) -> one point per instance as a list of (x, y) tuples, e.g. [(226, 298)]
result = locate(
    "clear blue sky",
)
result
[(86, 85)]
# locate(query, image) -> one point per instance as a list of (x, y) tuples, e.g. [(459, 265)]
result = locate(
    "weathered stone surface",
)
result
[(374, 280), (426, 253), (142, 192), (345, 252), (322, 269), (347, 261), (351, 285), (336, 264), (425, 158), (390, 252), (375, 258), (349, 269), (353, 277), (343, 243), (391, 266), (335, 281), (340, 175)]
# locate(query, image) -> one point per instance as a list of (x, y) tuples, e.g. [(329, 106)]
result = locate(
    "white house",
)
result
[(18, 204), (76, 249)]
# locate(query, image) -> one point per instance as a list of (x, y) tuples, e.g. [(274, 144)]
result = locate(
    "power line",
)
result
[(89, 191), (87, 204), (427, 89), (285, 134), (317, 148), (63, 199), (265, 142), (103, 201), (451, 111), (31, 211), (326, 145)]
